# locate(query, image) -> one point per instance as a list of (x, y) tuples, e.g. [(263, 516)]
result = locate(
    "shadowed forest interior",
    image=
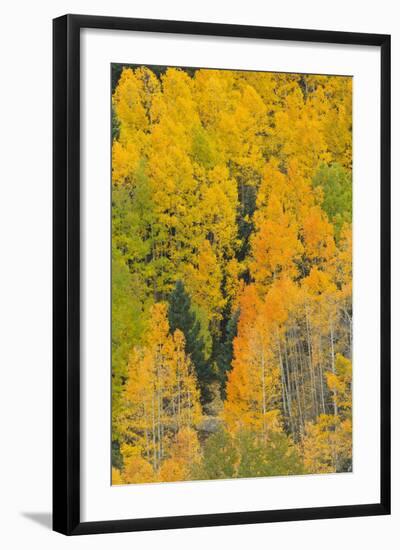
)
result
[(231, 274)]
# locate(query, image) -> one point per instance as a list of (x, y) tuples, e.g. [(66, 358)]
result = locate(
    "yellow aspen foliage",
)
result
[(318, 283), (174, 469), (239, 133), (272, 179), (186, 446), (133, 100), (220, 209), (204, 283), (340, 384), (298, 193), (251, 120), (327, 445), (184, 454), (177, 89), (322, 301), (265, 84), (342, 268), (185, 406), (116, 477), (125, 161), (337, 118), (328, 442), (300, 134), (137, 469), (161, 395), (132, 105), (215, 94)]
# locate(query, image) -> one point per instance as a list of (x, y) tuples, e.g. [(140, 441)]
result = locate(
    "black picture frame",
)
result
[(66, 273)]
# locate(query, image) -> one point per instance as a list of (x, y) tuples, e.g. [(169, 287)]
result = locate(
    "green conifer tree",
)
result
[(181, 316), (224, 353)]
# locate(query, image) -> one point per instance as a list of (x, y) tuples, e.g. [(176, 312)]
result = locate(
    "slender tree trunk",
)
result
[(154, 433), (321, 378), (146, 431), (321, 381), (350, 329), (190, 407), (283, 383), (311, 369), (300, 363), (299, 398), (335, 409), (159, 360), (179, 402), (287, 405), (264, 400)]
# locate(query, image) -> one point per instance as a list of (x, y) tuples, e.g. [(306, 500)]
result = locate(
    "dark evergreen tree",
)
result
[(225, 350), (182, 317), (247, 192)]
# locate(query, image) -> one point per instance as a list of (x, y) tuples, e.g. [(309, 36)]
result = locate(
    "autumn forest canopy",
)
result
[(231, 274)]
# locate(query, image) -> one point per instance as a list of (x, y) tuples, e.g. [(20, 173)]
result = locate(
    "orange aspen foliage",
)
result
[(276, 246), (253, 383)]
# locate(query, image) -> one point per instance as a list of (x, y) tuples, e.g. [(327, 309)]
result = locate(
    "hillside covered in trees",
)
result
[(231, 274)]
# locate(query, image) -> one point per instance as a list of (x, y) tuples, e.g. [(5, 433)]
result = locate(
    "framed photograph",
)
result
[(221, 274)]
